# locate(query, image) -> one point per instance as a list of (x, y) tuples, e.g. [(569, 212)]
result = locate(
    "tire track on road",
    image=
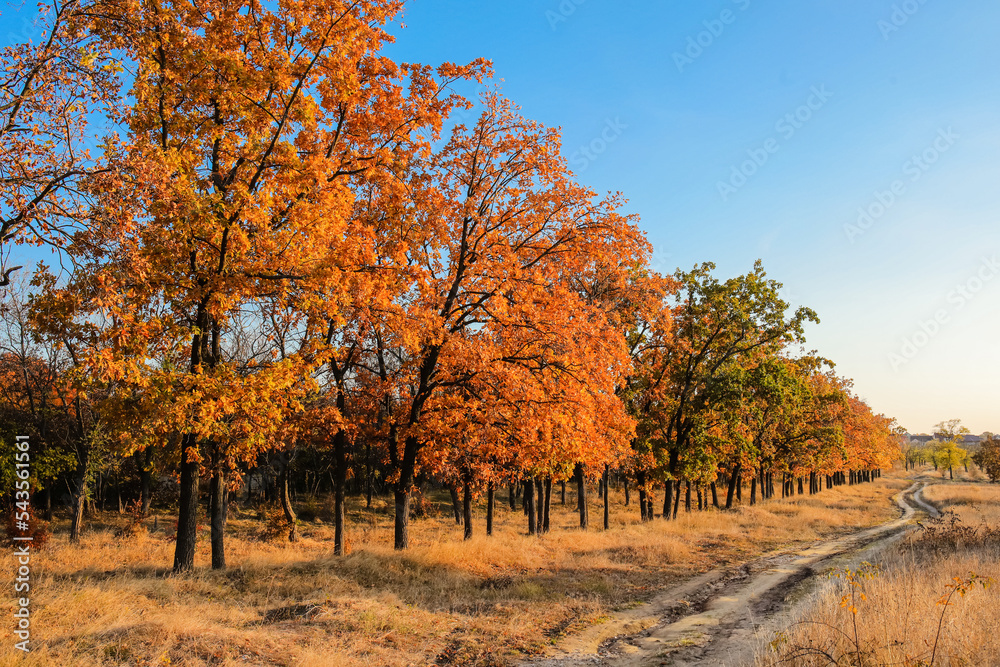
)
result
[(715, 618)]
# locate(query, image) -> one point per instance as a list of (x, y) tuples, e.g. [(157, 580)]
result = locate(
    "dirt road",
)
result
[(716, 618)]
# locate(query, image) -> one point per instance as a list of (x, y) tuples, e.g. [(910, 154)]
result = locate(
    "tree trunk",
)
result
[(218, 512), (369, 475), (529, 507), (734, 482), (753, 490), (581, 490), (715, 496), (512, 496), (145, 481), (540, 504), (286, 505), (339, 491), (467, 509), (79, 493), (677, 498), (548, 503), (48, 504), (628, 497), (187, 518), (687, 498), (401, 538), (456, 505), (668, 492), (490, 493), (640, 482), (562, 491), (607, 515)]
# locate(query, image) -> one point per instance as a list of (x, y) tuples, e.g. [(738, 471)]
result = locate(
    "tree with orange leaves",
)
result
[(52, 94), (249, 127), (493, 230)]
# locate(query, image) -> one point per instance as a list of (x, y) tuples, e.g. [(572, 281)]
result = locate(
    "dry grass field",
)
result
[(113, 601), (906, 616)]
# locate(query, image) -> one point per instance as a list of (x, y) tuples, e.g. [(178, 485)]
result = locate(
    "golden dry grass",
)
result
[(113, 601), (899, 617)]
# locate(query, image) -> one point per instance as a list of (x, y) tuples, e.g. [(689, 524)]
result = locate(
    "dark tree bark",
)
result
[(286, 502), (627, 494), (187, 518), (715, 496), (467, 509), (529, 507), (187, 515), (640, 483), (490, 493), (339, 484), (581, 490), (668, 496), (48, 504), (734, 482), (218, 513), (562, 490), (753, 490), (512, 496), (456, 506), (540, 504), (687, 498), (607, 510), (402, 520), (677, 498), (145, 461), (548, 503)]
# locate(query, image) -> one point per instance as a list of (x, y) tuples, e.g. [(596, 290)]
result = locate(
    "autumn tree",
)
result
[(715, 324), (988, 458), (247, 129), (53, 96), (496, 230)]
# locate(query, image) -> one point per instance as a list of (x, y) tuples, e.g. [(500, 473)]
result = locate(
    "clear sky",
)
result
[(879, 93), (743, 129)]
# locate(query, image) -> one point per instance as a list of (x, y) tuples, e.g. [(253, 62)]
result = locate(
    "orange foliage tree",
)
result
[(494, 228), (248, 127)]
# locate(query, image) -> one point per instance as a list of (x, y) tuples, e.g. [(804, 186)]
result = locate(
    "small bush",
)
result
[(34, 528)]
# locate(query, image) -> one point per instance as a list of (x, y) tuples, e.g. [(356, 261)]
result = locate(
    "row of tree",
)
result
[(286, 243), (946, 451)]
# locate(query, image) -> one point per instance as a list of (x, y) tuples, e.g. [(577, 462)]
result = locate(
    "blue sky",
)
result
[(909, 296), (839, 97)]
